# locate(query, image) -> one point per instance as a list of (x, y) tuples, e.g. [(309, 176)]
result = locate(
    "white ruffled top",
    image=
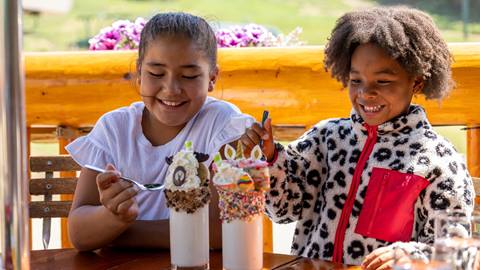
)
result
[(117, 138)]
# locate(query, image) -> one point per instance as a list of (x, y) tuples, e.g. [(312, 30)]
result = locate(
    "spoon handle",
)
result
[(94, 168)]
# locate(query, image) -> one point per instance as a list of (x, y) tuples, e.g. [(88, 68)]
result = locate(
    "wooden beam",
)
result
[(74, 89), (267, 235), (53, 163), (50, 209)]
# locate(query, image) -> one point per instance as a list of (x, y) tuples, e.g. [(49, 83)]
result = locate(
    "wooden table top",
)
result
[(302, 263), (156, 259), (128, 259)]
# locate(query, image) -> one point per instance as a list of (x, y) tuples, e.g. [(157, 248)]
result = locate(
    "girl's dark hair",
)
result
[(406, 34), (182, 24)]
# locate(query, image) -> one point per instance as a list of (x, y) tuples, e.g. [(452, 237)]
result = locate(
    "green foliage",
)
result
[(70, 31), (54, 32), (448, 8)]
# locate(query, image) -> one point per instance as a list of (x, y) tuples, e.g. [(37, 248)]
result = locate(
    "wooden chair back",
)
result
[(49, 185)]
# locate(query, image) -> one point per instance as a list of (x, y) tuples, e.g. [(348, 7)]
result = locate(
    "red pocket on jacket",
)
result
[(388, 209)]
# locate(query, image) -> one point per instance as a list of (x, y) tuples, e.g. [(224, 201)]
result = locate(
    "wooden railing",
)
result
[(74, 89)]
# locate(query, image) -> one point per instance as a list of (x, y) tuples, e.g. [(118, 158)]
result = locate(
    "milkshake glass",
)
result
[(189, 246), (187, 195), (241, 184), (243, 239)]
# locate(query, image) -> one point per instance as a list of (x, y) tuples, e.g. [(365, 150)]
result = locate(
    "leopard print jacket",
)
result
[(323, 180)]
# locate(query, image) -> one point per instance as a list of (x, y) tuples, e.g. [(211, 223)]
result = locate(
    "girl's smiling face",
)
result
[(175, 77), (380, 89)]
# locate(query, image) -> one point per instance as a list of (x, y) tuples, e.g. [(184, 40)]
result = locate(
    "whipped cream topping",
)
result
[(182, 174), (227, 174)]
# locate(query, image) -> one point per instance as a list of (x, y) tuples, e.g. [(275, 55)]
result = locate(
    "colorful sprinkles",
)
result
[(240, 205)]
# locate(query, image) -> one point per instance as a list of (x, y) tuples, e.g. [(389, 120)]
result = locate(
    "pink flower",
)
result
[(121, 35), (254, 35), (125, 35)]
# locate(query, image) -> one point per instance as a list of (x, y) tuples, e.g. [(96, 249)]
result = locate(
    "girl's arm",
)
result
[(290, 172), (91, 224), (295, 179)]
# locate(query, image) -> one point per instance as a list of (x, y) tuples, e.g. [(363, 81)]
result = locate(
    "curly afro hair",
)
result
[(408, 35)]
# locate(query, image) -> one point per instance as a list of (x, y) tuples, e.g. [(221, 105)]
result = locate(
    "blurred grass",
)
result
[(456, 136), (54, 32), (63, 32)]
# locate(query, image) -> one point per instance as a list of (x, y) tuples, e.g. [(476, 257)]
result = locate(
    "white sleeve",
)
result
[(93, 148), (224, 123), (232, 130)]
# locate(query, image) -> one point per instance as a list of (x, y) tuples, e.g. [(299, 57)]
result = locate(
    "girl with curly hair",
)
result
[(359, 187)]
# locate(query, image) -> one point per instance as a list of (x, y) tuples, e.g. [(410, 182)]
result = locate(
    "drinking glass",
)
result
[(454, 242), (242, 243), (403, 261), (189, 240)]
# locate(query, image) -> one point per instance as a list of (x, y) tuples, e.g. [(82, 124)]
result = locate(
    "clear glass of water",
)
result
[(403, 261), (455, 245)]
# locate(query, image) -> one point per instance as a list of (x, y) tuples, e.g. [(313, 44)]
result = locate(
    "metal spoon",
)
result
[(149, 187)]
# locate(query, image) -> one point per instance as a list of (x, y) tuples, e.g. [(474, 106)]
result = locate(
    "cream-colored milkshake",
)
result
[(187, 194), (189, 244), (243, 239)]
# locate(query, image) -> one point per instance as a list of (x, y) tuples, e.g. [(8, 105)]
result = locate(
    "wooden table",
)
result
[(128, 259), (148, 259), (302, 263)]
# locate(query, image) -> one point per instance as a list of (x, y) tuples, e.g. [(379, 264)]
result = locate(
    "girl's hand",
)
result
[(116, 195), (383, 258), (255, 134)]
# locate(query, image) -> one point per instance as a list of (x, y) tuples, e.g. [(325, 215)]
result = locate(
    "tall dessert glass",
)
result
[(241, 184), (187, 194)]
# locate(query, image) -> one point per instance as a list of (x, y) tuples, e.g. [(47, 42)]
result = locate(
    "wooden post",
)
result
[(473, 150), (291, 82), (473, 163), (267, 234)]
